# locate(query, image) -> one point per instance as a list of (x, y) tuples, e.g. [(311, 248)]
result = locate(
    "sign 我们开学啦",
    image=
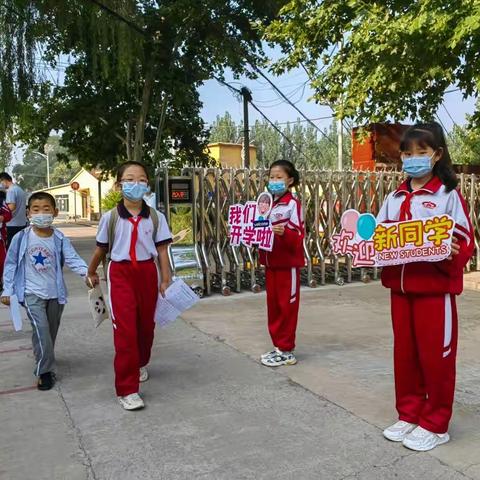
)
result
[(250, 225)]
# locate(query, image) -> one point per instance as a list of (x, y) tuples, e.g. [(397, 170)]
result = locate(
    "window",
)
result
[(62, 203)]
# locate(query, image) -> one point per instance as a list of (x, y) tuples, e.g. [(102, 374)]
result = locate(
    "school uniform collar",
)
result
[(124, 213), (284, 199), (432, 186)]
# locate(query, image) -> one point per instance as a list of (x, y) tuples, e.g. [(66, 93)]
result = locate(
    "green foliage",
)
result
[(181, 219), (5, 154), (111, 199), (31, 174), (130, 90), (464, 146), (315, 150), (377, 60), (224, 129)]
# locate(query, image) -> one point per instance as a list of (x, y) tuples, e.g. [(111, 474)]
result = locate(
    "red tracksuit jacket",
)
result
[(287, 249), (429, 277)]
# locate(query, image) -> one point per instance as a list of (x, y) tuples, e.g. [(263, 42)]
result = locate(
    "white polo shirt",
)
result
[(145, 247)]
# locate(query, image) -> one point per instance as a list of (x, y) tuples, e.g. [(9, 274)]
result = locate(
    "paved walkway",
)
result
[(214, 413)]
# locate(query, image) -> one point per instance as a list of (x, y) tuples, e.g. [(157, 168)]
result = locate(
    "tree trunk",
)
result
[(161, 123), (142, 119), (129, 139)]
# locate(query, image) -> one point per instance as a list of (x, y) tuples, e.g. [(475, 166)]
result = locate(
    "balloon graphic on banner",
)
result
[(349, 220), (366, 226)]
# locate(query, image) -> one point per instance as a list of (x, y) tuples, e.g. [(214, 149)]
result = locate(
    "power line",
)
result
[(448, 113), (238, 92), (293, 105)]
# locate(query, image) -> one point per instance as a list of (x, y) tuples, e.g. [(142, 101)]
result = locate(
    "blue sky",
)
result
[(217, 99)]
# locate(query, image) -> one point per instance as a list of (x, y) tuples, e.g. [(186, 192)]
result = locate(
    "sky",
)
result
[(217, 99)]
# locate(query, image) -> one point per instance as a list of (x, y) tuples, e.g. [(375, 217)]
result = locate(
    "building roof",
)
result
[(94, 173)]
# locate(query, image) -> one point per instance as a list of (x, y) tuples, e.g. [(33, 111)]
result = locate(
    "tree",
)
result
[(5, 154), (31, 174), (302, 144), (464, 146), (377, 60), (224, 129), (131, 85)]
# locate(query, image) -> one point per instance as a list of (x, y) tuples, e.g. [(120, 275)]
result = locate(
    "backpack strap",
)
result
[(155, 221), (112, 223)]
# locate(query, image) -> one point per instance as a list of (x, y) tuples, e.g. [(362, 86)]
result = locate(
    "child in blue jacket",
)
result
[(33, 272)]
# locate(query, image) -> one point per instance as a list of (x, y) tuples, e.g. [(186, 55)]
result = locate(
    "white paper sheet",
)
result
[(15, 313), (178, 298), (180, 295)]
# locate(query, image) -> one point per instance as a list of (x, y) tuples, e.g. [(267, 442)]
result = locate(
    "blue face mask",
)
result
[(134, 191), (41, 220), (277, 187), (418, 167)]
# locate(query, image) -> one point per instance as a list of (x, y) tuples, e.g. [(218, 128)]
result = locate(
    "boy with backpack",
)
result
[(33, 272)]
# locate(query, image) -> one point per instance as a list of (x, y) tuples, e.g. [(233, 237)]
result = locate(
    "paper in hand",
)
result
[(179, 297), (15, 313)]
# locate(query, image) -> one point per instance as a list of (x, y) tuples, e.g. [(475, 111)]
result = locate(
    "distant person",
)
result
[(423, 294), (283, 264), (5, 216), (33, 272), (136, 237), (17, 202)]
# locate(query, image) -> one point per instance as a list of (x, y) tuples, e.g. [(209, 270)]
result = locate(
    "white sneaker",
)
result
[(279, 358), (269, 354), (143, 374), (398, 431), (423, 440), (131, 402)]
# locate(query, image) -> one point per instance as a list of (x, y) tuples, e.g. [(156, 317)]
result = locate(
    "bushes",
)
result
[(110, 200)]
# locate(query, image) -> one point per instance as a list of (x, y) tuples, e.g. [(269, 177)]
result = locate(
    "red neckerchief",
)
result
[(431, 187)]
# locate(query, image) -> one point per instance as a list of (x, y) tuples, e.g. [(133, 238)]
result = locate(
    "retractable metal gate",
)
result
[(325, 195)]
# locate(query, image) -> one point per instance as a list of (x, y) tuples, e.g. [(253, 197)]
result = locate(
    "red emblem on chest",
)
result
[(429, 205)]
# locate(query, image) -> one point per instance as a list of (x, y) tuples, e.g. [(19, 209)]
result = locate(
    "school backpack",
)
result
[(112, 223)]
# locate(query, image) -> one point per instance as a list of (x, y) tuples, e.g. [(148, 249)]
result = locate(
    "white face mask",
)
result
[(41, 220)]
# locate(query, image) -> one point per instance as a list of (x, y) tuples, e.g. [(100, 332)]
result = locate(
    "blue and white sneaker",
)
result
[(269, 354), (279, 358)]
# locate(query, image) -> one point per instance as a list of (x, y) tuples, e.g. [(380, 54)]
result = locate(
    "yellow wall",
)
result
[(84, 203), (229, 155)]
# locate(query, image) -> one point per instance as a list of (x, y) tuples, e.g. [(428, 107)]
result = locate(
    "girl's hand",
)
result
[(5, 301), (455, 248), (278, 230), (163, 288), (92, 280)]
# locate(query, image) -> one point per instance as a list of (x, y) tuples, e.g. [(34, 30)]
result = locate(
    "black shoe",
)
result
[(46, 381)]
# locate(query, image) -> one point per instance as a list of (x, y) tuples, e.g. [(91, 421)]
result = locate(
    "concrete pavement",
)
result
[(213, 412)]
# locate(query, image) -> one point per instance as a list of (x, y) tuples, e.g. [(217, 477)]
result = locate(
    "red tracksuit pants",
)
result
[(133, 298), (425, 330), (283, 300)]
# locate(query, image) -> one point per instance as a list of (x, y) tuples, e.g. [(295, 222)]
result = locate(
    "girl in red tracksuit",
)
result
[(423, 294), (282, 264), (140, 241)]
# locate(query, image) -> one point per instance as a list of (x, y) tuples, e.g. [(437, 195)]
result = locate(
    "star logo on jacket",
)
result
[(430, 205), (39, 259)]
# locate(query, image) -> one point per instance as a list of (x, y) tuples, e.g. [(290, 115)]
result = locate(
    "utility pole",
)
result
[(247, 96)]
